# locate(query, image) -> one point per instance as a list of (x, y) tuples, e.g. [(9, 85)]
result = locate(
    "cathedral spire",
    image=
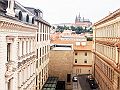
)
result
[(76, 19), (79, 15), (79, 18)]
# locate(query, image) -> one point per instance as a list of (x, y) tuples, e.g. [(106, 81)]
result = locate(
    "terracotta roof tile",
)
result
[(80, 47)]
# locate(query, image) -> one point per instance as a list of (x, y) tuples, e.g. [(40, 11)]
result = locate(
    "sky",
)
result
[(65, 11)]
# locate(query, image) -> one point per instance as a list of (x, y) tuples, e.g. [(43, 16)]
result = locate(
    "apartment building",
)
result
[(42, 48), (106, 51), (83, 58), (19, 29)]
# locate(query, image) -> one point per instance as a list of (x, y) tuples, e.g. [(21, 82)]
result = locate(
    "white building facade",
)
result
[(19, 46)]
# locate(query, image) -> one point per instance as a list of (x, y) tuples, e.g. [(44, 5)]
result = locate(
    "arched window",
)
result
[(20, 15), (27, 18), (33, 20)]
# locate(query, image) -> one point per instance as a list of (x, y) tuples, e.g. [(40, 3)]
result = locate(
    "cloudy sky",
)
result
[(65, 11)]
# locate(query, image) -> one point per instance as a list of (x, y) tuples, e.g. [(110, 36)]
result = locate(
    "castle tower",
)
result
[(10, 8), (79, 17), (76, 19)]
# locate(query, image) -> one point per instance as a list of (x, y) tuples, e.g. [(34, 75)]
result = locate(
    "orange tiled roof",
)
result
[(80, 47)]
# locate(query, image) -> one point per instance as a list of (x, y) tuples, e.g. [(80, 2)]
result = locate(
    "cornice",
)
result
[(115, 66), (10, 24), (110, 17)]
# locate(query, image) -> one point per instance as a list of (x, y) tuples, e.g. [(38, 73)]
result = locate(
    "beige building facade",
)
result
[(61, 64), (82, 63), (106, 51), (42, 51)]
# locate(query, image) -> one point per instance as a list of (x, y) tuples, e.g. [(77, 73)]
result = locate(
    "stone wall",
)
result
[(61, 64)]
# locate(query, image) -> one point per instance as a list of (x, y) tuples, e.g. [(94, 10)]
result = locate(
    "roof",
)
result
[(88, 46), (50, 83), (30, 11), (109, 17)]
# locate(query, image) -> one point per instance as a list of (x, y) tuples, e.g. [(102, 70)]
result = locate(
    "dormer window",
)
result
[(27, 18), (33, 20), (20, 15)]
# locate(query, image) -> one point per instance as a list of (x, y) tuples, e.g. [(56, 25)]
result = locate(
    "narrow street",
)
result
[(82, 81), (82, 84)]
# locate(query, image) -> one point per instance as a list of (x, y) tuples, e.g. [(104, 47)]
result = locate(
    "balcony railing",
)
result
[(10, 68), (26, 55), (26, 60)]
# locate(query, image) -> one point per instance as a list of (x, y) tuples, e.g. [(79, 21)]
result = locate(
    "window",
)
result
[(43, 51), (37, 64), (85, 53), (75, 53), (40, 37), (39, 85), (27, 18), (42, 72), (20, 15), (40, 52), (68, 77), (75, 60), (26, 46), (85, 61), (42, 81), (118, 85), (9, 84), (22, 47), (37, 53), (8, 51), (9, 4), (36, 81), (40, 76), (40, 61), (33, 20), (18, 49), (30, 45), (37, 37)]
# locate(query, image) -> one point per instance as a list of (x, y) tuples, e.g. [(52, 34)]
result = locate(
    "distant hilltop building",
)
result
[(79, 21)]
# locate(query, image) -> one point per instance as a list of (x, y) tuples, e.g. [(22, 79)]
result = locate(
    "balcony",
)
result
[(10, 68), (26, 56), (26, 60)]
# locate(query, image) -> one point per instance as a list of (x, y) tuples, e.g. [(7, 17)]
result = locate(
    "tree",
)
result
[(60, 29), (72, 28), (66, 28), (79, 30)]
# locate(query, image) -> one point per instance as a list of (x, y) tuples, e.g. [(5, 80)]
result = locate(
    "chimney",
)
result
[(10, 8)]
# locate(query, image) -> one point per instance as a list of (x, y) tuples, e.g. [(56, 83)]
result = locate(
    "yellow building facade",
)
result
[(106, 51), (82, 63)]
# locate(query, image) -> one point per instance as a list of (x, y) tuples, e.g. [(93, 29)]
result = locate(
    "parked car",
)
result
[(89, 77), (74, 79), (92, 83), (91, 80)]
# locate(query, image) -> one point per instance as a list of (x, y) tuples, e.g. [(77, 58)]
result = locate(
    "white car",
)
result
[(74, 79)]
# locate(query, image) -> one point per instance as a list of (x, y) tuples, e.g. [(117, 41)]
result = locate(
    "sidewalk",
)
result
[(76, 86)]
